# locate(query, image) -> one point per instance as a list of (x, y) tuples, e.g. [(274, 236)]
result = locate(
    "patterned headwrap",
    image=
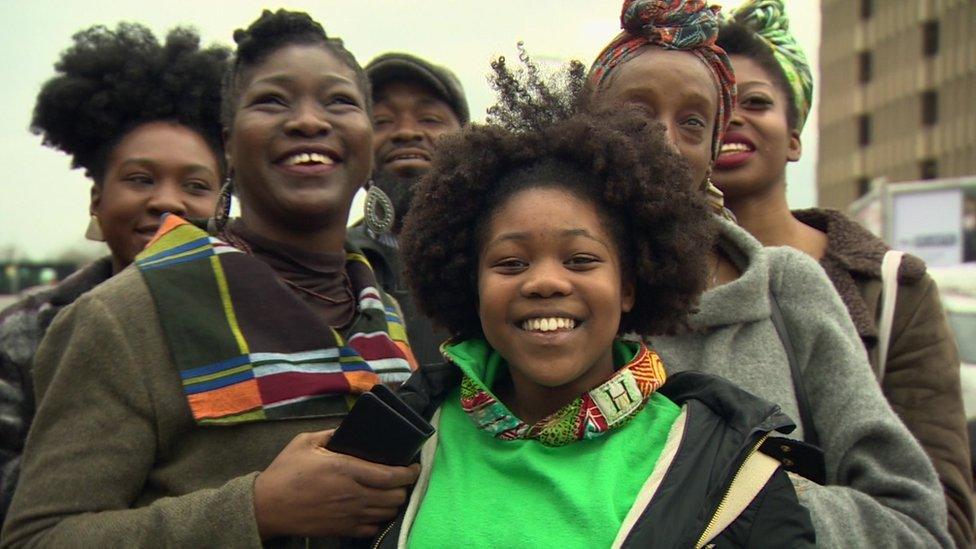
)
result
[(687, 25), (767, 19)]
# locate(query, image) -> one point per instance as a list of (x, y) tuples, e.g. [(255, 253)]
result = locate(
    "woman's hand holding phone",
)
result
[(311, 491)]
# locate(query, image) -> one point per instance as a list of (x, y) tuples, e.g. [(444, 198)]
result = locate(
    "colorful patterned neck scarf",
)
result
[(686, 25), (248, 349), (767, 18), (594, 413)]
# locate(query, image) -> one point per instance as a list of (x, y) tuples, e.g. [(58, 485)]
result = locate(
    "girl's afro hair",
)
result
[(620, 161), (111, 81)]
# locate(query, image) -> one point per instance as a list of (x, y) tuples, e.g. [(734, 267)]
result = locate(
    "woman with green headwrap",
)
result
[(920, 375)]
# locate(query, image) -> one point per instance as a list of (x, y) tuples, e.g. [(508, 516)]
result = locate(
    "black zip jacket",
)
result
[(723, 426)]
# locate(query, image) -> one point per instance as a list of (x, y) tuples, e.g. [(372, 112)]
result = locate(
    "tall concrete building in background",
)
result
[(897, 94)]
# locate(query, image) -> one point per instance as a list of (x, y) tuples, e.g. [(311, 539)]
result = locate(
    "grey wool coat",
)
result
[(921, 380), (881, 490)]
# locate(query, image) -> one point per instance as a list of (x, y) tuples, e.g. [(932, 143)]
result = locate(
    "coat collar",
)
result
[(81, 281), (71, 288), (853, 255), (743, 299), (742, 411), (854, 248)]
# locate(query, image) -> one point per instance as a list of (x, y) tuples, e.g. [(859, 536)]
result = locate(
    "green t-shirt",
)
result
[(486, 492)]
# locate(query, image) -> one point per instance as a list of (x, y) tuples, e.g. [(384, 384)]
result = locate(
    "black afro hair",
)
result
[(269, 33), (620, 161), (738, 39), (529, 100), (111, 81)]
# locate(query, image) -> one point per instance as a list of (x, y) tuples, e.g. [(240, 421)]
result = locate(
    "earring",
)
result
[(716, 200), (94, 230), (379, 213), (222, 212), (712, 193)]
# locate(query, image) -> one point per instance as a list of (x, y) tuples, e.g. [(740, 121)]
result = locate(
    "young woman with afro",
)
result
[(185, 401), (539, 245), (143, 120)]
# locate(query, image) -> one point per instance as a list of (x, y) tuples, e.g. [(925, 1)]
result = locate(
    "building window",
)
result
[(867, 8), (929, 168), (930, 38), (864, 67), (864, 130), (863, 186), (930, 108)]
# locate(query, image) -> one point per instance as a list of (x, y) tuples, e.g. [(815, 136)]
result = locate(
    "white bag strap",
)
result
[(427, 452), (889, 292), (755, 472)]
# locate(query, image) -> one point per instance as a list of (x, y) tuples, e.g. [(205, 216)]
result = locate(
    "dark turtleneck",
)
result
[(322, 275)]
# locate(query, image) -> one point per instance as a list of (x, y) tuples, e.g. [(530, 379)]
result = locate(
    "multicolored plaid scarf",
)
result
[(686, 25), (248, 349), (594, 413), (767, 18)]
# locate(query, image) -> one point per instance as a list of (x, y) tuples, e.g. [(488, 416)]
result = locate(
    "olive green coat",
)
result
[(114, 453)]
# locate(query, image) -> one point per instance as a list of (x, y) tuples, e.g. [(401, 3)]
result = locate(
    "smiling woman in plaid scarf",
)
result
[(186, 401)]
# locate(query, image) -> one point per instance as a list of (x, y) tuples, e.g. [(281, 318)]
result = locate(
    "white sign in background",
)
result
[(928, 225)]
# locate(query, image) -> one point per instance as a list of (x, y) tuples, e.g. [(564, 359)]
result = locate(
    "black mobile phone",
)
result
[(381, 428)]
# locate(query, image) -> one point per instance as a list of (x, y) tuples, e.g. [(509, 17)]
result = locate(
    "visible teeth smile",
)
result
[(308, 158), (550, 324), (729, 148)]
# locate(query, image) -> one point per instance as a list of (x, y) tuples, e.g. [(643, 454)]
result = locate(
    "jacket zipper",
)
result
[(386, 531), (725, 497)]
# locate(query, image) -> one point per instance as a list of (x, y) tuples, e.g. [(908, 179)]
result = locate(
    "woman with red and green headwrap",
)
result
[(771, 321), (920, 375)]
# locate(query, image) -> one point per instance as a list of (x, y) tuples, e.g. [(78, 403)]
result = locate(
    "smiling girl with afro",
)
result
[(538, 242)]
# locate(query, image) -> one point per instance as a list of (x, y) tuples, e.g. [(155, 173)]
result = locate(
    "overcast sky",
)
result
[(44, 204)]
